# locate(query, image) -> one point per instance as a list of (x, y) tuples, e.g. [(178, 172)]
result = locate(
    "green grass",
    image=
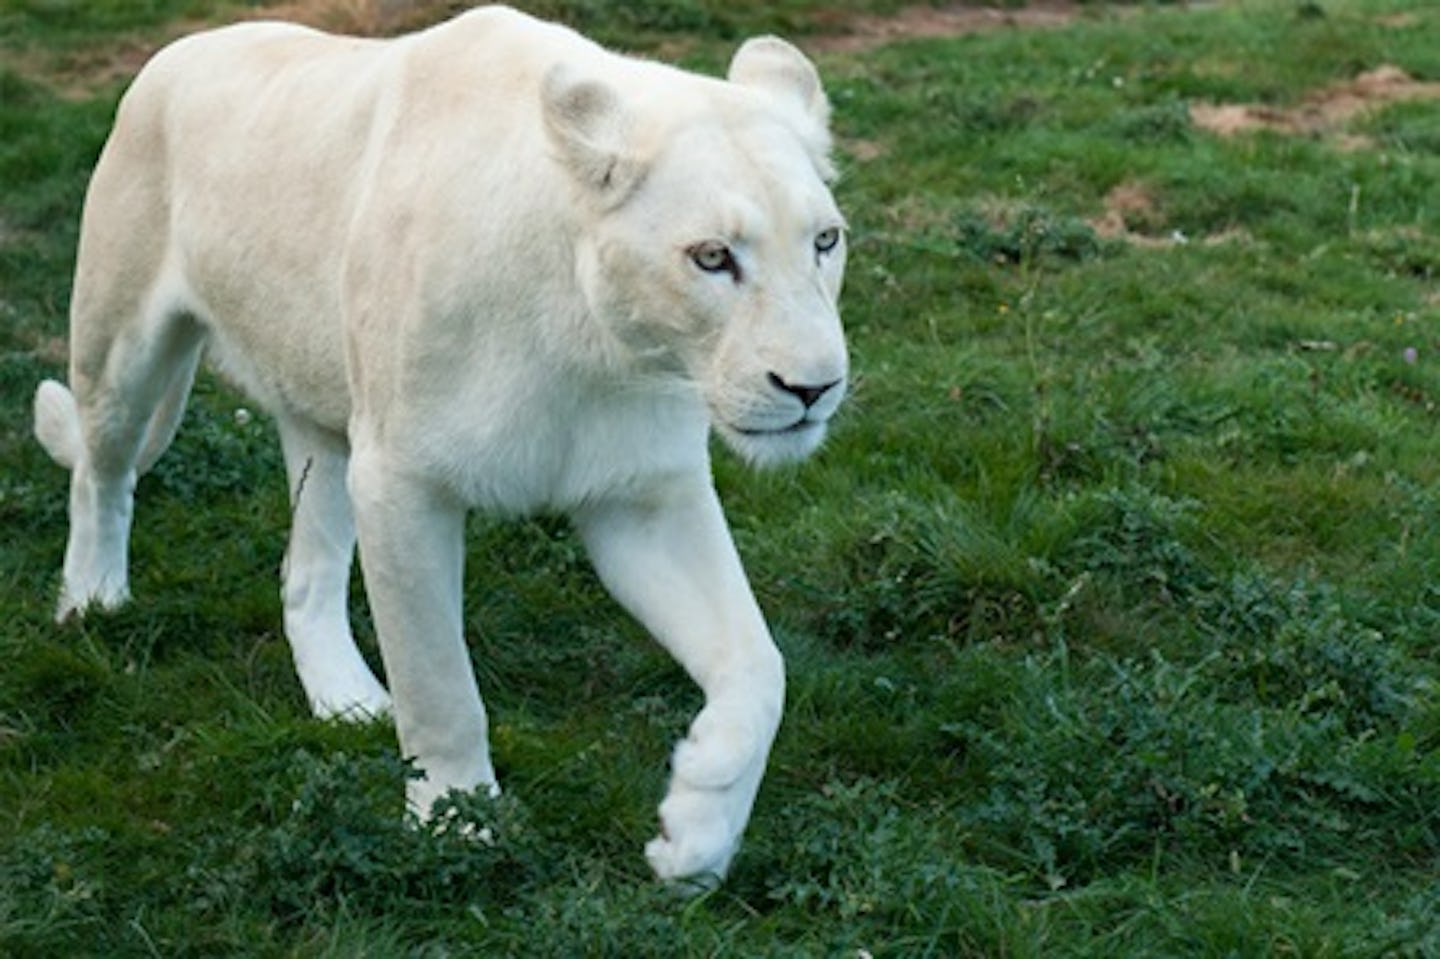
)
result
[(1110, 609)]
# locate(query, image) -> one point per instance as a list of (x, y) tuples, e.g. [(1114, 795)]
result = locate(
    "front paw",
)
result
[(697, 840), (424, 795), (717, 771)]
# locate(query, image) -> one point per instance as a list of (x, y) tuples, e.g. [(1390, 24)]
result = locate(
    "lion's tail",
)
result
[(57, 423)]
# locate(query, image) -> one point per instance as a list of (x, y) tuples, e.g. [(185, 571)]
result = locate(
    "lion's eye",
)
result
[(827, 240), (715, 257)]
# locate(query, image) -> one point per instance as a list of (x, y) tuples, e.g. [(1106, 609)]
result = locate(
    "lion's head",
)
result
[(715, 245)]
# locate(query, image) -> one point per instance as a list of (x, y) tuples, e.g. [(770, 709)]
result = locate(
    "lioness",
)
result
[(487, 265)]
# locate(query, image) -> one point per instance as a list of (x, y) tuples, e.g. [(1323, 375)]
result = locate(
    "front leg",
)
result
[(669, 559), (412, 556)]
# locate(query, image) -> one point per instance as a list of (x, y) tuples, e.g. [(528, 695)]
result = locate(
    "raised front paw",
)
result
[(698, 836), (717, 771)]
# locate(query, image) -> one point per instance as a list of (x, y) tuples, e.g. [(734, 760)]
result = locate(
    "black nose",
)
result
[(806, 394)]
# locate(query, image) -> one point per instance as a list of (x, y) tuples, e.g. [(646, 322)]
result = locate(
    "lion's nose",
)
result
[(807, 395)]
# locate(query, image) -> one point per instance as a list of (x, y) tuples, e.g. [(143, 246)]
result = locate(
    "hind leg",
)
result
[(316, 577), (117, 422)]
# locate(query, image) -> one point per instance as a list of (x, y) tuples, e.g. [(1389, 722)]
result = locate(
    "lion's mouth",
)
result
[(768, 446), (802, 425)]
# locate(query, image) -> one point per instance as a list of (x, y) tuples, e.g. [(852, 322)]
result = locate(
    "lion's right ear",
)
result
[(780, 71), (590, 130)]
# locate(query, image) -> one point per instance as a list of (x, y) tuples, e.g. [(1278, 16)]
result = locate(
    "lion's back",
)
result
[(249, 153)]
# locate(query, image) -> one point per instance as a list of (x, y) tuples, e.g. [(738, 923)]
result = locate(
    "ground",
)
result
[(1110, 607)]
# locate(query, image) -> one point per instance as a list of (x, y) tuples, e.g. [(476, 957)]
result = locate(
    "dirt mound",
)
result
[(851, 34), (361, 17), (1323, 113), (1133, 214)]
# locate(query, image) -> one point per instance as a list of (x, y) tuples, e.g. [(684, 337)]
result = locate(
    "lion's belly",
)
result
[(309, 382), (275, 328)]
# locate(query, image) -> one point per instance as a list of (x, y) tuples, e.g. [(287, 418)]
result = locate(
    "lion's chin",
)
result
[(766, 448)]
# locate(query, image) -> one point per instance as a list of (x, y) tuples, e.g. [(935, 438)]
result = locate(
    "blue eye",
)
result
[(827, 240)]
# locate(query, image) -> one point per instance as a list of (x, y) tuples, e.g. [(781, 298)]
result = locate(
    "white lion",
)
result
[(486, 265)]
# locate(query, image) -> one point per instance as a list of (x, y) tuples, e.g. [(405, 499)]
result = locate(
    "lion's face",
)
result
[(721, 257), (729, 257)]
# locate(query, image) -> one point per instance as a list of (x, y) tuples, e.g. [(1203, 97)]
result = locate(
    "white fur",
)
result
[(460, 269)]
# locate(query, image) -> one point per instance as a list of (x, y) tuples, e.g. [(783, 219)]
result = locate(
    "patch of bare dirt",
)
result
[(1129, 206), (1398, 21), (857, 34), (864, 151), (80, 74), (1325, 112), (366, 18), (1132, 214), (846, 33)]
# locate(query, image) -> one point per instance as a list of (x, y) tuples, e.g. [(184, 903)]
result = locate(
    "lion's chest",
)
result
[(529, 452)]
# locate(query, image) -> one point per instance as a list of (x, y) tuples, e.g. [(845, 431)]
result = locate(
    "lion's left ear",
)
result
[(779, 70), (589, 127)]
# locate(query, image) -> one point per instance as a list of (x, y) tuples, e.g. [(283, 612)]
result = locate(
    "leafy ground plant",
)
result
[(1110, 609)]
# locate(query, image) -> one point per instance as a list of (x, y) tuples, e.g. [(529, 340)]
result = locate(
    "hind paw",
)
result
[(105, 598)]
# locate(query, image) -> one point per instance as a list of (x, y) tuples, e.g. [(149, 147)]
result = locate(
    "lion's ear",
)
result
[(589, 128), (779, 70)]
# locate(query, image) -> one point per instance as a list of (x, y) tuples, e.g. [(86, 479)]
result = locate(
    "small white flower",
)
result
[(242, 417)]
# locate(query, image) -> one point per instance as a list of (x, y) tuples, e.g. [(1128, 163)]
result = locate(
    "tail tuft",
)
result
[(57, 423)]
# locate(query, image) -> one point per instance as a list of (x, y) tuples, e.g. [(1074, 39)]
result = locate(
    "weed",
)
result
[(1032, 235), (329, 845)]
